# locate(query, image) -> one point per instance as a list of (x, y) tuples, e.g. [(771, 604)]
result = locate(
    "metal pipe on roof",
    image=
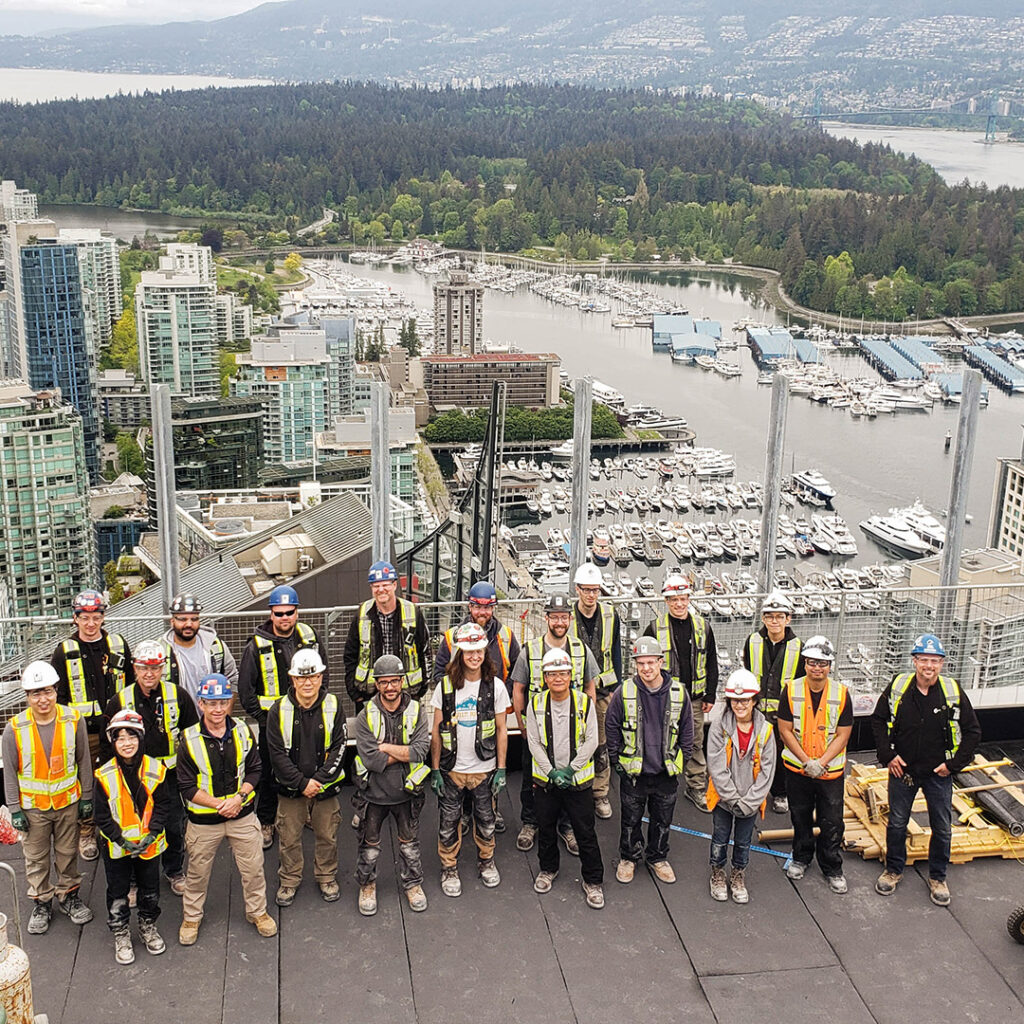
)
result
[(581, 429), (380, 471), (163, 464)]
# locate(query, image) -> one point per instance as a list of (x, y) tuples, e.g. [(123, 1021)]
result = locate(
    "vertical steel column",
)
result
[(489, 506), (163, 464), (581, 425), (773, 461), (380, 471)]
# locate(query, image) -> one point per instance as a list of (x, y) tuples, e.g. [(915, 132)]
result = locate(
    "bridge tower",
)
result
[(990, 124)]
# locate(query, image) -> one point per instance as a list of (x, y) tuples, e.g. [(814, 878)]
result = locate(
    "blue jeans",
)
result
[(725, 824), (938, 795)]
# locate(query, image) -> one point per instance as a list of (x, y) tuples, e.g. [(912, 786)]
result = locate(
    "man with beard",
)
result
[(197, 650)]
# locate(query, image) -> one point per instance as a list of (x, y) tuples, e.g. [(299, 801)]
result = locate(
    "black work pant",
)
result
[(407, 823), (173, 858), (817, 801), (655, 794), (121, 872), (578, 804), (779, 779), (527, 810), (266, 791)]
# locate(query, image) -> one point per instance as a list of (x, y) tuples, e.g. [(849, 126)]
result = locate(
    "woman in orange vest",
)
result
[(133, 803)]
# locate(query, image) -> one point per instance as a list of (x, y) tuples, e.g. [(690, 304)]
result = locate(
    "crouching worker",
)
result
[(741, 763), (133, 804)]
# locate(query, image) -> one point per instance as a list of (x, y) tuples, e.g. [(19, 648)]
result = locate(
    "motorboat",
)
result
[(895, 534), (810, 482)]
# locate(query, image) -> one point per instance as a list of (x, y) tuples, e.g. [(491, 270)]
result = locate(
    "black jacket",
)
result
[(250, 681), (162, 797), (222, 760), (308, 757), (151, 710), (351, 657)]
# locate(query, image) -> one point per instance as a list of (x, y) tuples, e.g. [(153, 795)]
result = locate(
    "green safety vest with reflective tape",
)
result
[(194, 743), (769, 703), (413, 669), (607, 679), (329, 711), (699, 682), (75, 666), (631, 757), (169, 716), (535, 658), (951, 692), (808, 731), (270, 672), (577, 733), (486, 730), (416, 772)]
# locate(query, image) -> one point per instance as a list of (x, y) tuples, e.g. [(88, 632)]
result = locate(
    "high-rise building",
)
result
[(1006, 527), (458, 316), (234, 320), (100, 270), (122, 399), (175, 314), (17, 203), (47, 544), (191, 258), (19, 233), (218, 443), (340, 333)]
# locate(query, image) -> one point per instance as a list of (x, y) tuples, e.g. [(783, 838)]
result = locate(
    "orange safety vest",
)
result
[(47, 783), (814, 731), (759, 741), (122, 807)]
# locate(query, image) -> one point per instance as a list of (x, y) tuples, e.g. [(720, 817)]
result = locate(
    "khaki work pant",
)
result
[(245, 838), (87, 828), (61, 829), (325, 817)]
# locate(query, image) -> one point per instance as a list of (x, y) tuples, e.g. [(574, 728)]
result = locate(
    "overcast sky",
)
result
[(135, 10)]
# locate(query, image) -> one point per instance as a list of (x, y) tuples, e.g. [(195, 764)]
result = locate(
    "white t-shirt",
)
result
[(465, 718)]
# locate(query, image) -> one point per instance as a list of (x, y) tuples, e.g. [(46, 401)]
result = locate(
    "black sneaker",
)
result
[(72, 905), (42, 913)]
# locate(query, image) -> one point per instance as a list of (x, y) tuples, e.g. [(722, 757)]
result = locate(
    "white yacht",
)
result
[(923, 523), (895, 535), (812, 483)]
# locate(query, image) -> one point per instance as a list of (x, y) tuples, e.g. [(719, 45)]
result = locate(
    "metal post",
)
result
[(380, 471), (773, 461), (490, 506), (580, 472), (963, 456), (166, 506)]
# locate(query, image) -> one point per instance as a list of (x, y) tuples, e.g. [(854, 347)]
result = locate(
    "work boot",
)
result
[(368, 899), (527, 836), (780, 804), (624, 871), (544, 880), (268, 836), (499, 821), (719, 888), (39, 922), (837, 884), (330, 891), (569, 838), (123, 952), (71, 904), (594, 894), (738, 886), (356, 821), (663, 871), (264, 923), (697, 798), (285, 896), (887, 882), (151, 937), (188, 933), (796, 870), (489, 873), (87, 848), (177, 884), (451, 884), (939, 892), (602, 807), (417, 898)]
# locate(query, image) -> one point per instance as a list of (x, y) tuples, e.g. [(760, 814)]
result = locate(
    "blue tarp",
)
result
[(888, 361), (994, 367), (918, 351)]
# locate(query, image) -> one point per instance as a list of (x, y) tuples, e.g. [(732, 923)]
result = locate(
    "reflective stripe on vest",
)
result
[(608, 678), (413, 669), (759, 741), (270, 674), (631, 756), (169, 716), (699, 683), (577, 734), (790, 659), (47, 782), (951, 693), (486, 729), (416, 772), (815, 731), (329, 711), (122, 806), (75, 665), (535, 658), (195, 744)]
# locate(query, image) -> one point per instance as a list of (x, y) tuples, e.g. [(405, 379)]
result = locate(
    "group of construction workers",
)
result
[(134, 756)]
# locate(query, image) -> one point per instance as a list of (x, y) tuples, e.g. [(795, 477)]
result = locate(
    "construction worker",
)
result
[(92, 665), (815, 722), (925, 732), (691, 657), (650, 736), (527, 682), (196, 648), (48, 788), (306, 736), (561, 728), (468, 745), (166, 710), (392, 745), (134, 801), (263, 679), (597, 625), (218, 771), (741, 760), (772, 653), (502, 651)]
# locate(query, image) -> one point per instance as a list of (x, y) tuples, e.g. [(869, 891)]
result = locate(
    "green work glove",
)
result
[(129, 846), (84, 810), (19, 819), (620, 770), (437, 782), (144, 844), (561, 777), (498, 782)]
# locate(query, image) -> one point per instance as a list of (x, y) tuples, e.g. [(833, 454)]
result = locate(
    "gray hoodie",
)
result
[(738, 790), (195, 662)]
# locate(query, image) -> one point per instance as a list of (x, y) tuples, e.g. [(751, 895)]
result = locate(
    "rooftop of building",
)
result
[(496, 357)]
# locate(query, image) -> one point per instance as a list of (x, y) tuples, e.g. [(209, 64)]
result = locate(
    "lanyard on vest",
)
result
[(950, 693), (270, 671), (413, 669), (167, 715)]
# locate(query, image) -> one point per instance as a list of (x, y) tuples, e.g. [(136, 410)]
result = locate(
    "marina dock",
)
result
[(997, 369)]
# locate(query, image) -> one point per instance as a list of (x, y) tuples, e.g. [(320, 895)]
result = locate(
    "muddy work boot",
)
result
[(42, 913), (719, 887), (417, 898), (368, 899), (738, 886), (526, 838), (188, 933), (151, 937), (123, 952), (71, 904), (887, 882), (489, 873), (451, 885), (938, 892)]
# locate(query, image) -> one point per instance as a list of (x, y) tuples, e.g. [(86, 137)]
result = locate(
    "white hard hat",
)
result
[(556, 660), (819, 648), (742, 683), (647, 647), (471, 637), (676, 585), (39, 675), (306, 662), (777, 601), (588, 575), (149, 652)]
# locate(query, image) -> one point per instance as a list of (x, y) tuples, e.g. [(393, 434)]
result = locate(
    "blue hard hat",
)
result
[(929, 643), (382, 572), (283, 595), (483, 592), (215, 686)]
